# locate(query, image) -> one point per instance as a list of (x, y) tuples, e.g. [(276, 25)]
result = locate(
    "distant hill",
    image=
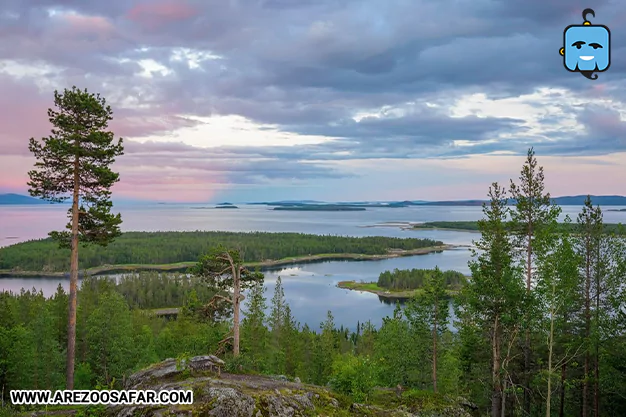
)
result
[(17, 199)]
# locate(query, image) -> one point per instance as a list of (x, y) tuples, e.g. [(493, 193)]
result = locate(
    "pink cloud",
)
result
[(80, 24), (24, 115), (154, 15)]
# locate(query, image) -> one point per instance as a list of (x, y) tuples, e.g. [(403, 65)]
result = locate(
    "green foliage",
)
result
[(156, 248), (355, 376), (77, 157), (411, 279), (220, 266), (255, 334), (110, 338)]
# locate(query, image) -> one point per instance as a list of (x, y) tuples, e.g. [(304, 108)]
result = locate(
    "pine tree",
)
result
[(74, 162), (533, 221), (590, 229), (253, 326), (430, 310), (494, 295), (223, 270), (559, 294), (277, 323)]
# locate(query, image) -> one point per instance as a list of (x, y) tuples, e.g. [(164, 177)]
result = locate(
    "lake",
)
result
[(310, 289)]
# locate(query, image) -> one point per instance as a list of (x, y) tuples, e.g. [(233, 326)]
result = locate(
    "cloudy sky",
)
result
[(250, 100)]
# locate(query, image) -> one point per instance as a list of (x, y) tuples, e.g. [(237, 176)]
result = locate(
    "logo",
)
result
[(586, 48)]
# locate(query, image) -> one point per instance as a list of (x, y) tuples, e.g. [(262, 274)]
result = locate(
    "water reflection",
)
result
[(311, 289)]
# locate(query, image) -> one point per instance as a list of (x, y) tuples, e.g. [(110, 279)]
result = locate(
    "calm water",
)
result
[(310, 289)]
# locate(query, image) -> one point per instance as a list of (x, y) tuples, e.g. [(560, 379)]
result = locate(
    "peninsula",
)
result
[(177, 251)]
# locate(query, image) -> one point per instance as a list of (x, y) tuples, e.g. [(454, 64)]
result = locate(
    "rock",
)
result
[(171, 367), (228, 402), (297, 380), (255, 396)]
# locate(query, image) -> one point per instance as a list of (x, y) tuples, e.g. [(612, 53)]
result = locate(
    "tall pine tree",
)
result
[(74, 163), (533, 222)]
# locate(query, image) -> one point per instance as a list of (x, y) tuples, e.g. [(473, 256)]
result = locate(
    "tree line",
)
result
[(172, 247), (411, 279)]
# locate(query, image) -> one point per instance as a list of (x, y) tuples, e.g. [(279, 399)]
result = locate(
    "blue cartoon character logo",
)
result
[(586, 48)]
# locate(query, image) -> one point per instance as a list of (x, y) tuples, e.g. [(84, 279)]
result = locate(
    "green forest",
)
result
[(156, 248), (411, 279)]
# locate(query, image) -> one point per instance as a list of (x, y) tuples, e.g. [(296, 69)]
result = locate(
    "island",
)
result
[(405, 284), (177, 251), (624, 210), (226, 206), (320, 207)]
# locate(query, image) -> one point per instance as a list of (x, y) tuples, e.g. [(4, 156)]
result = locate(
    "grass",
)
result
[(373, 288)]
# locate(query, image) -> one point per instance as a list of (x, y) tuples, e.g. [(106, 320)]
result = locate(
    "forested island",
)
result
[(407, 283), (179, 250), (472, 226)]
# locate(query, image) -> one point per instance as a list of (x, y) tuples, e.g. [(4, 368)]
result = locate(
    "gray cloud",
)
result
[(309, 66)]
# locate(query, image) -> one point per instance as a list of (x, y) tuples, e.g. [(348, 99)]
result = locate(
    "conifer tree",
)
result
[(254, 325), (533, 222), (74, 163), (223, 270), (431, 310), (494, 296)]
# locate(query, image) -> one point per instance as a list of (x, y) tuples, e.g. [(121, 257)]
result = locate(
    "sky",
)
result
[(333, 100)]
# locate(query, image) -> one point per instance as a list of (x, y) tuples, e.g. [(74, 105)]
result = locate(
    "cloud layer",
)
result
[(336, 81)]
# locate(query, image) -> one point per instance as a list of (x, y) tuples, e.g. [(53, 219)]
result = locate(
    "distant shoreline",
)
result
[(472, 226), (181, 266)]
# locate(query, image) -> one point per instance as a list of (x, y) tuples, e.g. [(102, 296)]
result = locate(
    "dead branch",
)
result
[(221, 345)]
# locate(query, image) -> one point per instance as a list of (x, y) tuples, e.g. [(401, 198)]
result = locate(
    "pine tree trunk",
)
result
[(496, 396), (596, 382), (503, 400), (550, 350), (236, 308), (71, 326), (587, 328), (529, 252)]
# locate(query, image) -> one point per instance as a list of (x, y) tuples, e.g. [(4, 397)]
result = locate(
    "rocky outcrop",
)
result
[(220, 394)]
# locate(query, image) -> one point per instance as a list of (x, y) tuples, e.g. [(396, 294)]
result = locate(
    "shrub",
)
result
[(355, 376)]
